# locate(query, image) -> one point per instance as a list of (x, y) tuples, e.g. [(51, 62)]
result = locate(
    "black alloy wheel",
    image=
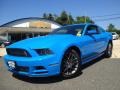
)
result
[(71, 64)]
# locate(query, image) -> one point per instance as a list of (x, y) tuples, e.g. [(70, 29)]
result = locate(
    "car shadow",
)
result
[(53, 79), (38, 80)]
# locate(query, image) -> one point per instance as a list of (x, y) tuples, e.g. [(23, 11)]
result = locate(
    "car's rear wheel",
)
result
[(71, 64), (108, 51)]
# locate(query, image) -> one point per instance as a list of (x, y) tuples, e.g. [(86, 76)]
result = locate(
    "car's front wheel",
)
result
[(71, 64)]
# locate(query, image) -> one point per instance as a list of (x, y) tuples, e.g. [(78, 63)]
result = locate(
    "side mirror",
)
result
[(90, 32)]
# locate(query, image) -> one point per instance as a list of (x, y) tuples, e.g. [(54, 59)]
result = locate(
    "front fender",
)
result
[(61, 49)]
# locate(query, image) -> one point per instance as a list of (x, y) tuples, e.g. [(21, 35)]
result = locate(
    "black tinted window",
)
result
[(93, 27), (69, 30)]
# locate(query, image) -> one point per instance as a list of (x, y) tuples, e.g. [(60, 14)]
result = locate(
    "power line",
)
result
[(100, 16), (104, 17), (107, 19)]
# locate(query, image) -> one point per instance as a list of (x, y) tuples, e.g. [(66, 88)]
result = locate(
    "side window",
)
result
[(92, 27), (101, 29)]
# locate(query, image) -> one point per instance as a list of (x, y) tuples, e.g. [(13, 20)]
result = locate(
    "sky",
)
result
[(15, 9)]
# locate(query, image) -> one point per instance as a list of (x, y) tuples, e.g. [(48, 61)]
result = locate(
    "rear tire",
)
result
[(108, 51), (71, 64)]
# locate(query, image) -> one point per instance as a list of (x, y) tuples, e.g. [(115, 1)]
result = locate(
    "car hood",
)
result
[(42, 41)]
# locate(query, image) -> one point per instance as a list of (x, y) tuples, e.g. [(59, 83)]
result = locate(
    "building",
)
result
[(26, 28)]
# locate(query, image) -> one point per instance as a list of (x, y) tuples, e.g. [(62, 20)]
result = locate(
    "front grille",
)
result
[(17, 52)]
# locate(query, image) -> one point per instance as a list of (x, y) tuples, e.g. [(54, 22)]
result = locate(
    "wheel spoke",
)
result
[(66, 69)]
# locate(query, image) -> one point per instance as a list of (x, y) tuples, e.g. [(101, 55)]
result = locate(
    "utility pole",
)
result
[(85, 18), (68, 18)]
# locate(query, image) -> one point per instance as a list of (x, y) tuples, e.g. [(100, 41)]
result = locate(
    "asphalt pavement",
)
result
[(100, 74)]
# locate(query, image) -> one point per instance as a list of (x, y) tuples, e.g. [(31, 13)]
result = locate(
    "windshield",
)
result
[(74, 30)]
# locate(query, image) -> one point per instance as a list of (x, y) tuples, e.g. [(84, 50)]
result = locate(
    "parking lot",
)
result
[(101, 74), (116, 49)]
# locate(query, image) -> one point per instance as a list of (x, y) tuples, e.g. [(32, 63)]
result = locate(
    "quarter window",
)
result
[(101, 29)]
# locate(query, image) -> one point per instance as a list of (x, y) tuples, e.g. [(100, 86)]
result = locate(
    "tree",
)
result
[(58, 20), (88, 20), (55, 16), (64, 17), (111, 27), (83, 19), (80, 20), (50, 17), (45, 16), (70, 19)]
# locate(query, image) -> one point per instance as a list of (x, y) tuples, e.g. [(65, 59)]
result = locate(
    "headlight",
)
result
[(44, 51)]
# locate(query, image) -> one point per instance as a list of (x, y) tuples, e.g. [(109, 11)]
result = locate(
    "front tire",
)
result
[(71, 64), (108, 51)]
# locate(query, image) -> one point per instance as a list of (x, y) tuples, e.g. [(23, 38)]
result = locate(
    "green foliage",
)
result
[(83, 19), (70, 19), (80, 20), (45, 16), (50, 17), (111, 28), (58, 20), (65, 18)]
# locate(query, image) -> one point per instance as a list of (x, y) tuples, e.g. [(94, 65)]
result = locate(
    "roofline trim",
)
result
[(37, 18)]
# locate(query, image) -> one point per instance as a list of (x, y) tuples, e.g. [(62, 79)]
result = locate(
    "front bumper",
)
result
[(41, 66)]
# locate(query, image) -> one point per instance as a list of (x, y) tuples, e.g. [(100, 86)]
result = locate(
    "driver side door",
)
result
[(90, 41)]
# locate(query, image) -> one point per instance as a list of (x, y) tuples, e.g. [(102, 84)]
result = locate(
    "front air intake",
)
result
[(17, 52)]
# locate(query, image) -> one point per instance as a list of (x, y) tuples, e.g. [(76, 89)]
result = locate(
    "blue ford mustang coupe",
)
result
[(62, 52)]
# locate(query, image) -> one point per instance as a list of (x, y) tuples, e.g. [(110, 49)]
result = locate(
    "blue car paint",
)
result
[(90, 47)]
